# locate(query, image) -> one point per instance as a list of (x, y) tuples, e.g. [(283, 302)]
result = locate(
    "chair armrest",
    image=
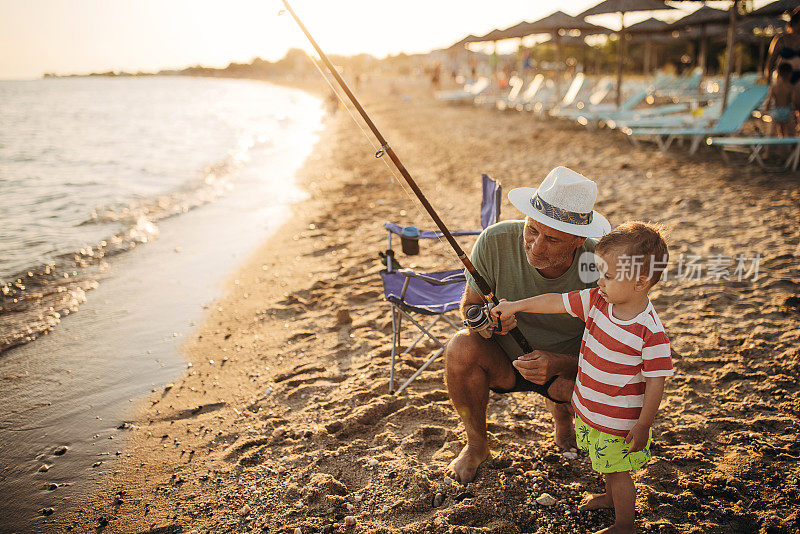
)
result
[(408, 273)]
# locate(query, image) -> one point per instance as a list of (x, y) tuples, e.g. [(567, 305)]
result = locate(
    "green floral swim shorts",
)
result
[(609, 453)]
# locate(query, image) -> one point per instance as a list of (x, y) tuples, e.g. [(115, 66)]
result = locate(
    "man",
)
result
[(547, 253)]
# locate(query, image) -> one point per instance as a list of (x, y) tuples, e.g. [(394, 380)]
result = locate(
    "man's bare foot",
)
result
[(564, 433), (618, 529), (464, 467), (596, 501)]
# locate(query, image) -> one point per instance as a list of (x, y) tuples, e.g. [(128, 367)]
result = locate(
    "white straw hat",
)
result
[(565, 202)]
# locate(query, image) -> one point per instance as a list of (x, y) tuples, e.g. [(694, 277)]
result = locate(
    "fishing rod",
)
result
[(487, 293)]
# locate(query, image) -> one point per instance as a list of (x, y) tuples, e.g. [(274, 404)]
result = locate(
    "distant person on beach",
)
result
[(785, 49), (623, 364), (781, 102), (332, 103), (520, 259), (436, 76)]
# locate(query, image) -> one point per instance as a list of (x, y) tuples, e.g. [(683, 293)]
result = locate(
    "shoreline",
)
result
[(73, 390), (284, 418)]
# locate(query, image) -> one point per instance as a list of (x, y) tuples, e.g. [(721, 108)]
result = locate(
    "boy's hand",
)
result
[(503, 316), (502, 308), (637, 437)]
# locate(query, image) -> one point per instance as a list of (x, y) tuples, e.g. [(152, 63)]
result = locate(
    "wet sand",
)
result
[(283, 421)]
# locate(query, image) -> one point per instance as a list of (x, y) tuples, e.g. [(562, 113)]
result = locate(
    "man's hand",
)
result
[(637, 437), (537, 366)]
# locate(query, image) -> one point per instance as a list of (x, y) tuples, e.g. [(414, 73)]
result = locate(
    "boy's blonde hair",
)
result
[(642, 241)]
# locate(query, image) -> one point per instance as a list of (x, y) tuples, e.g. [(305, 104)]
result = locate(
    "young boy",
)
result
[(781, 102), (623, 362)]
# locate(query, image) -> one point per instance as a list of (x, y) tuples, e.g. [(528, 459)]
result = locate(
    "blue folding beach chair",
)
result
[(410, 293)]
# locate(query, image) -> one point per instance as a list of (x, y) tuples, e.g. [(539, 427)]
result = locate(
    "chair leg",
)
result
[(664, 142), (419, 371), (430, 360), (395, 340), (457, 326), (695, 144), (794, 158), (755, 155), (397, 314), (725, 157), (419, 337), (435, 320), (422, 328)]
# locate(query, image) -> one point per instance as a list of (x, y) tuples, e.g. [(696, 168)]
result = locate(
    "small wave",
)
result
[(35, 300)]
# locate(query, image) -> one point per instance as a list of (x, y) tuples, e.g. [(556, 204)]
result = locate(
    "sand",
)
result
[(284, 421)]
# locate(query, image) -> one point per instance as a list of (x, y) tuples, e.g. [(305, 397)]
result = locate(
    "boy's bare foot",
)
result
[(618, 529), (464, 467), (596, 501)]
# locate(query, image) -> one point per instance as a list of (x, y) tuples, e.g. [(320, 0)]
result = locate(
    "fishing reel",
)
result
[(478, 319)]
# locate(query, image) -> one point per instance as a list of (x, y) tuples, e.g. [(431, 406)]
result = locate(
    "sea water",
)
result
[(124, 204), (88, 166)]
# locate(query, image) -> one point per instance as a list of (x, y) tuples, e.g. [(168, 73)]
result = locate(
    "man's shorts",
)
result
[(520, 383), (609, 453)]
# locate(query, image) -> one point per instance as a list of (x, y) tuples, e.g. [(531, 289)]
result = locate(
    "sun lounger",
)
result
[(612, 118), (598, 94), (467, 94), (699, 118), (574, 88), (689, 82), (729, 123), (610, 114), (547, 97), (515, 83), (661, 80), (543, 100), (756, 146), (713, 87), (523, 97), (595, 112)]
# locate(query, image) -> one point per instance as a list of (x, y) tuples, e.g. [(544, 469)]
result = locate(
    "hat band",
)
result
[(559, 214)]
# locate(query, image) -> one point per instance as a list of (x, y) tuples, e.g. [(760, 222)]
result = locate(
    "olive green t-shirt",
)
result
[(499, 256)]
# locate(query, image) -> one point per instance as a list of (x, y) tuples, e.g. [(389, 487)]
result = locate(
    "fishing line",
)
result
[(385, 149), (395, 179)]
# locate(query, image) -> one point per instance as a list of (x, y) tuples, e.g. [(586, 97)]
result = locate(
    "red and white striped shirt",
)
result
[(615, 357)]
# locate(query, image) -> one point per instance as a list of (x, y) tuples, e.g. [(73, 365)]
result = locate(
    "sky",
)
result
[(82, 36)]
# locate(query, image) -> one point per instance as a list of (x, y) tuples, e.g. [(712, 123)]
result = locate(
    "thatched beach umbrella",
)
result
[(622, 7), (775, 9), (644, 31), (732, 15), (556, 24), (463, 42), (493, 36), (702, 19)]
